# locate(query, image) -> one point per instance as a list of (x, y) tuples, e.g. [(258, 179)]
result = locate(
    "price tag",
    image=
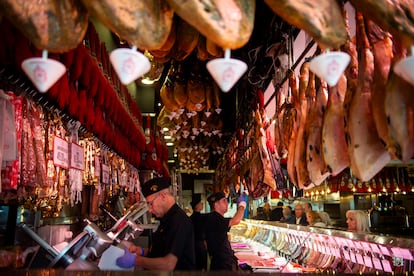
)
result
[(337, 252), (386, 265), (105, 174), (358, 245), (366, 246), (402, 253), (350, 243), (384, 250), (375, 248), (97, 166), (368, 261), (328, 250), (318, 247), (352, 256), (77, 157), (346, 255), (359, 258), (377, 263), (338, 240), (60, 152)]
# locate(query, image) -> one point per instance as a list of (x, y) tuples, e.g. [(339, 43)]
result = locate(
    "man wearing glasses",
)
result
[(173, 242)]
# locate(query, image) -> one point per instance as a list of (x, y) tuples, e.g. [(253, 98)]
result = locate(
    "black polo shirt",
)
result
[(218, 245), (175, 235)]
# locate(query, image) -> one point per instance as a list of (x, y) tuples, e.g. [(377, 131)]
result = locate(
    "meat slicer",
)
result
[(82, 252)]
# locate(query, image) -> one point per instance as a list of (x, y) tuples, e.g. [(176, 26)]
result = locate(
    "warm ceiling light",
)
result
[(167, 137), (147, 81), (170, 144)]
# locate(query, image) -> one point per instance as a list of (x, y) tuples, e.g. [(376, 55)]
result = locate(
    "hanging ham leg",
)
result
[(322, 19), (145, 24), (290, 128), (307, 97), (382, 50), (366, 152), (400, 113), (334, 145), (55, 25), (228, 23), (396, 17), (315, 162)]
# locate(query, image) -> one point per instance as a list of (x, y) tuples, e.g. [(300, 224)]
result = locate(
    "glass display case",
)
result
[(283, 247)]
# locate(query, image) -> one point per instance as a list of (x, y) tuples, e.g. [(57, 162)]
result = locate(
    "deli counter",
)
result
[(263, 246)]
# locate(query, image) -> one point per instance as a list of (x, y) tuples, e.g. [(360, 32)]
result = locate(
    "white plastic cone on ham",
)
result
[(43, 72), (129, 64), (405, 68), (226, 71), (330, 66)]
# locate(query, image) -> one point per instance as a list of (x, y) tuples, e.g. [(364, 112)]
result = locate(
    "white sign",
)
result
[(77, 157), (105, 174), (60, 152)]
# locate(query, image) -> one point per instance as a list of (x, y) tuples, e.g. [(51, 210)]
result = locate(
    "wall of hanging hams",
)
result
[(89, 92)]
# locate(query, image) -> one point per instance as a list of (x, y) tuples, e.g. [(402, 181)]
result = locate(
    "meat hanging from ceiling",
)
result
[(145, 24), (396, 17), (366, 152), (399, 110), (55, 25), (322, 19), (228, 24)]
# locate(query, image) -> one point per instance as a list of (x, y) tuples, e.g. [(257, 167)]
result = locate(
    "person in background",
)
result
[(277, 213), (266, 210), (260, 214), (314, 219), (199, 236), (173, 242), (307, 207), (325, 218), (287, 215), (216, 228), (357, 220), (300, 215)]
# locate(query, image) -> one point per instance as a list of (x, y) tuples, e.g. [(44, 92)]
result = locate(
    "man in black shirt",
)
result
[(173, 241), (216, 228), (277, 213), (198, 220)]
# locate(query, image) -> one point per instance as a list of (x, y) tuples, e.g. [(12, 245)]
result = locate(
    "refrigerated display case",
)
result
[(281, 247)]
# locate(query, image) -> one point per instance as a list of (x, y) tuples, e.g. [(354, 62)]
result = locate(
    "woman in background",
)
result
[(357, 220), (314, 219)]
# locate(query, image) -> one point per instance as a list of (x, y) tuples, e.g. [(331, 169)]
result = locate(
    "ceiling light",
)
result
[(147, 81), (170, 144), (167, 137)]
